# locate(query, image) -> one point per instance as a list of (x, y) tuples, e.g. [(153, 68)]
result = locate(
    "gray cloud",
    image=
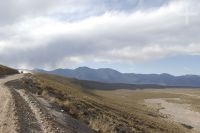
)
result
[(16, 10), (37, 34)]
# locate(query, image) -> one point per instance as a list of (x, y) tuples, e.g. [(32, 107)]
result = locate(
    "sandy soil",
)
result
[(181, 113)]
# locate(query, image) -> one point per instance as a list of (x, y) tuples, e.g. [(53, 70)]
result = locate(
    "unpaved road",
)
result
[(21, 112), (8, 119), (181, 113)]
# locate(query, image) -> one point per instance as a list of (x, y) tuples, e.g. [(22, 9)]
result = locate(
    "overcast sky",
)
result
[(139, 36)]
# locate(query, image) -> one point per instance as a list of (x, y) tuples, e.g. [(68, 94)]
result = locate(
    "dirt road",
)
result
[(8, 119), (22, 112)]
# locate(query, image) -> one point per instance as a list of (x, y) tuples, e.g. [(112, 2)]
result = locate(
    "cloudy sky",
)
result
[(139, 36)]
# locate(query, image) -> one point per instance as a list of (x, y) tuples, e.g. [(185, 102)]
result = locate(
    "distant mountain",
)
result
[(108, 75)]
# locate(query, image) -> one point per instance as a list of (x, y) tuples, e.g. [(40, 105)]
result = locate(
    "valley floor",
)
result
[(181, 113), (175, 105)]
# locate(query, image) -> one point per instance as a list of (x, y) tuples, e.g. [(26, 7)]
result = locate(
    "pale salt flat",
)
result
[(181, 113)]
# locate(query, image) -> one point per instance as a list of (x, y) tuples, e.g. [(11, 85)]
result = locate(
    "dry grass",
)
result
[(99, 125), (114, 111)]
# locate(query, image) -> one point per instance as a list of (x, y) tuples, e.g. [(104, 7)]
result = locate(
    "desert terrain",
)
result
[(49, 103), (116, 110), (174, 105)]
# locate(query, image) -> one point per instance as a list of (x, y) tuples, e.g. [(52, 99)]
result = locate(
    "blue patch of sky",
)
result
[(177, 65)]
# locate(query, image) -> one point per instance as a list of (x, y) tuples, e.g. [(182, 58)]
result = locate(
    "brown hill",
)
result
[(103, 110), (7, 71)]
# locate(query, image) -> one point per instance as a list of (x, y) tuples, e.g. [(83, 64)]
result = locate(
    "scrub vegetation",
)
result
[(115, 111)]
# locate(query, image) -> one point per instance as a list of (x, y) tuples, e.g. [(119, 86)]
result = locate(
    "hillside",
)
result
[(7, 71), (103, 111), (112, 76)]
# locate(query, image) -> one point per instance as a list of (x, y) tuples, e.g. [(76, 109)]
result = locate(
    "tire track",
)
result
[(27, 120), (47, 122)]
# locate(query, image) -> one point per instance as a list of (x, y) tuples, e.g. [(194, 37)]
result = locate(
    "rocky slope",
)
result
[(7, 71)]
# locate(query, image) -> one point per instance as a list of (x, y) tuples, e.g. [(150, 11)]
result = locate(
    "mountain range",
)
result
[(108, 75)]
